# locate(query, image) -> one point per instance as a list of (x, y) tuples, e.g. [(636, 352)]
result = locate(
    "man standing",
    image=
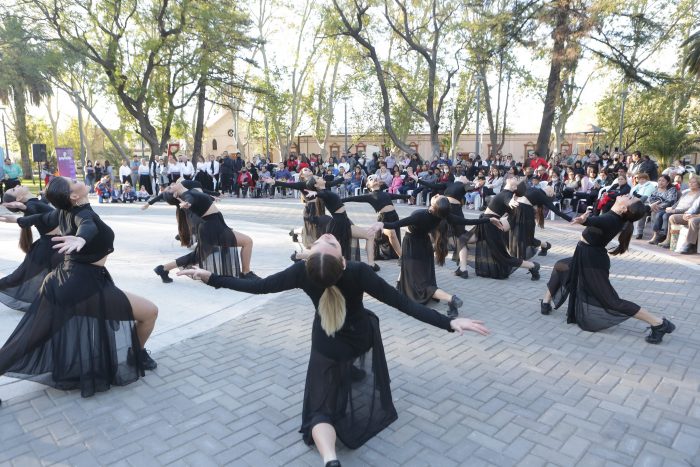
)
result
[(237, 166), (134, 166), (125, 172), (187, 168), (212, 169)]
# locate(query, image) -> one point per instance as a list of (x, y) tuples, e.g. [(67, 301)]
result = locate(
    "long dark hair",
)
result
[(25, 237), (539, 216), (442, 210), (325, 270), (183, 227), (311, 184), (58, 193), (635, 211)]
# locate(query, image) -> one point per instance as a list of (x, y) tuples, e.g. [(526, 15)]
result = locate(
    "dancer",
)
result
[(389, 245), (347, 390), (528, 210), (491, 257), (81, 331), (417, 277), (217, 244), (19, 288), (593, 302)]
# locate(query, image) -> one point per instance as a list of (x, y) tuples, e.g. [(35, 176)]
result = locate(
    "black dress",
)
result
[(521, 237), (19, 288), (584, 278), (316, 221), (379, 200), (358, 408), (78, 330), (417, 278), (340, 225), (490, 257), (216, 249)]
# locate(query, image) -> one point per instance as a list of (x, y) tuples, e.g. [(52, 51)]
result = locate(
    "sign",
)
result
[(66, 163), (173, 148)]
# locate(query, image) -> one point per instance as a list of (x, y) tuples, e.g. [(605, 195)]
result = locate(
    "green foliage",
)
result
[(669, 143), (691, 60)]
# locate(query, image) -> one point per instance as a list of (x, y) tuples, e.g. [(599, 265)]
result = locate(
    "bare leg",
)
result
[(170, 266), (527, 265), (547, 297), (324, 438), (463, 255), (145, 314), (647, 317), (442, 295), (358, 232), (394, 240), (246, 245)]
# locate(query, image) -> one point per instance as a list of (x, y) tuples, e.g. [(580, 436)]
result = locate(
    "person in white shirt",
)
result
[(676, 169), (390, 162), (174, 169), (144, 174), (212, 167), (125, 172), (187, 169), (344, 164)]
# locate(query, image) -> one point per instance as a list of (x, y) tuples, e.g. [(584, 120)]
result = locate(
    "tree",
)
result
[(669, 143), (26, 67), (691, 60)]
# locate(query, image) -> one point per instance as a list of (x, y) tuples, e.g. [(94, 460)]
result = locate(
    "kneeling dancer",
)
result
[(347, 390)]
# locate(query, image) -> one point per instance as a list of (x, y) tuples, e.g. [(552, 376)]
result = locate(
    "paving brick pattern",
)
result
[(535, 392)]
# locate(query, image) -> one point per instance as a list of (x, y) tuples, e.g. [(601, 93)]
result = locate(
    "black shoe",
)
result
[(657, 332), (688, 250), (164, 275), (535, 271), (177, 237), (657, 238), (335, 463), (294, 258), (544, 249), (545, 308), (375, 267), (250, 275), (463, 274), (454, 305), (356, 374), (638, 237), (147, 363), (482, 208)]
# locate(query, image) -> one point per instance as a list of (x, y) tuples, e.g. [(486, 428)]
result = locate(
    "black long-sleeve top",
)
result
[(500, 203), (378, 199), (36, 214), (357, 279), (600, 230), (422, 222), (332, 200), (199, 202), (190, 185), (538, 197), (456, 190)]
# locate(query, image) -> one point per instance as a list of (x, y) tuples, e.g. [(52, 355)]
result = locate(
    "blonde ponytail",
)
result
[(331, 309)]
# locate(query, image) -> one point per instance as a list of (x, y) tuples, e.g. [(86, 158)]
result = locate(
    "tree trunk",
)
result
[(81, 132), (554, 82), (21, 128), (199, 128), (435, 142)]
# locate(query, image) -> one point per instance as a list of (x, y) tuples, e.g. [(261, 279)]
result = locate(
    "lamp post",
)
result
[(478, 113), (623, 94), (345, 100), (4, 131)]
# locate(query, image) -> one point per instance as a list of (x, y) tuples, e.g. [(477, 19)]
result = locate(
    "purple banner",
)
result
[(66, 163)]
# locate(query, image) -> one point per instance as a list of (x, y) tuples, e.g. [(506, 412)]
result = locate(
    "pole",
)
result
[(478, 113), (346, 126), (4, 131), (267, 140), (622, 114)]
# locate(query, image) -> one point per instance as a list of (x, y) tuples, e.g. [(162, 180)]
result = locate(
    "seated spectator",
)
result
[(686, 200), (104, 189), (609, 195), (142, 194), (680, 185), (128, 193), (262, 188), (664, 196), (356, 180), (397, 181), (690, 219), (470, 197), (245, 181)]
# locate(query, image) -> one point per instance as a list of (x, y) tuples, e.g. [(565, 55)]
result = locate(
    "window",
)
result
[(214, 146)]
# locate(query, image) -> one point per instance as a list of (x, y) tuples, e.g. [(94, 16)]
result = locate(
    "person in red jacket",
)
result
[(245, 181), (535, 160)]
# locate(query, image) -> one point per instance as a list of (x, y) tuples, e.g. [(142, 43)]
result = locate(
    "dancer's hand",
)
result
[(374, 228), (15, 205), (185, 205), (497, 223), (68, 244), (582, 218), (310, 194), (463, 324), (9, 219), (145, 206), (513, 203), (196, 273)]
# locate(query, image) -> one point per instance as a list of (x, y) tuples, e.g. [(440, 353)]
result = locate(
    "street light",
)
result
[(478, 113), (345, 100), (623, 94)]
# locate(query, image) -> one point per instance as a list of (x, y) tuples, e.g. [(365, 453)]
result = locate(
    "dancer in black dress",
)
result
[(528, 210), (81, 331), (491, 257), (19, 288), (217, 244), (593, 302), (455, 193), (417, 277), (347, 390), (389, 245)]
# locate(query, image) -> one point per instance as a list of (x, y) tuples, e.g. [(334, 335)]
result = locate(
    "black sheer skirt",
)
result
[(358, 406), (314, 225), (21, 287), (521, 236), (205, 179), (76, 334), (193, 223), (417, 279), (456, 233), (216, 249), (593, 302), (340, 227), (382, 247), (489, 255)]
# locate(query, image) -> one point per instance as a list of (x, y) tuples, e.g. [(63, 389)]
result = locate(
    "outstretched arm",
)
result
[(456, 220), (434, 186), (290, 278), (357, 199)]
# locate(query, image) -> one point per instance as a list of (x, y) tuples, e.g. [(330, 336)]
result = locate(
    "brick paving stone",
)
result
[(535, 392)]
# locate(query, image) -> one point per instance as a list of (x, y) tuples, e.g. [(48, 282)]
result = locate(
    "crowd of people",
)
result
[(81, 331)]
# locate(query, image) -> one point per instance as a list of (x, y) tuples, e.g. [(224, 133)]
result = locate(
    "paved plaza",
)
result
[(231, 368)]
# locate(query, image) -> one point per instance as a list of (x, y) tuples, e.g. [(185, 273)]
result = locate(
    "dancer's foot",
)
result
[(544, 248), (375, 267), (177, 237), (333, 463), (535, 272), (463, 274), (639, 236), (294, 258), (147, 363), (545, 307), (249, 275), (454, 305), (164, 275), (657, 332)]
